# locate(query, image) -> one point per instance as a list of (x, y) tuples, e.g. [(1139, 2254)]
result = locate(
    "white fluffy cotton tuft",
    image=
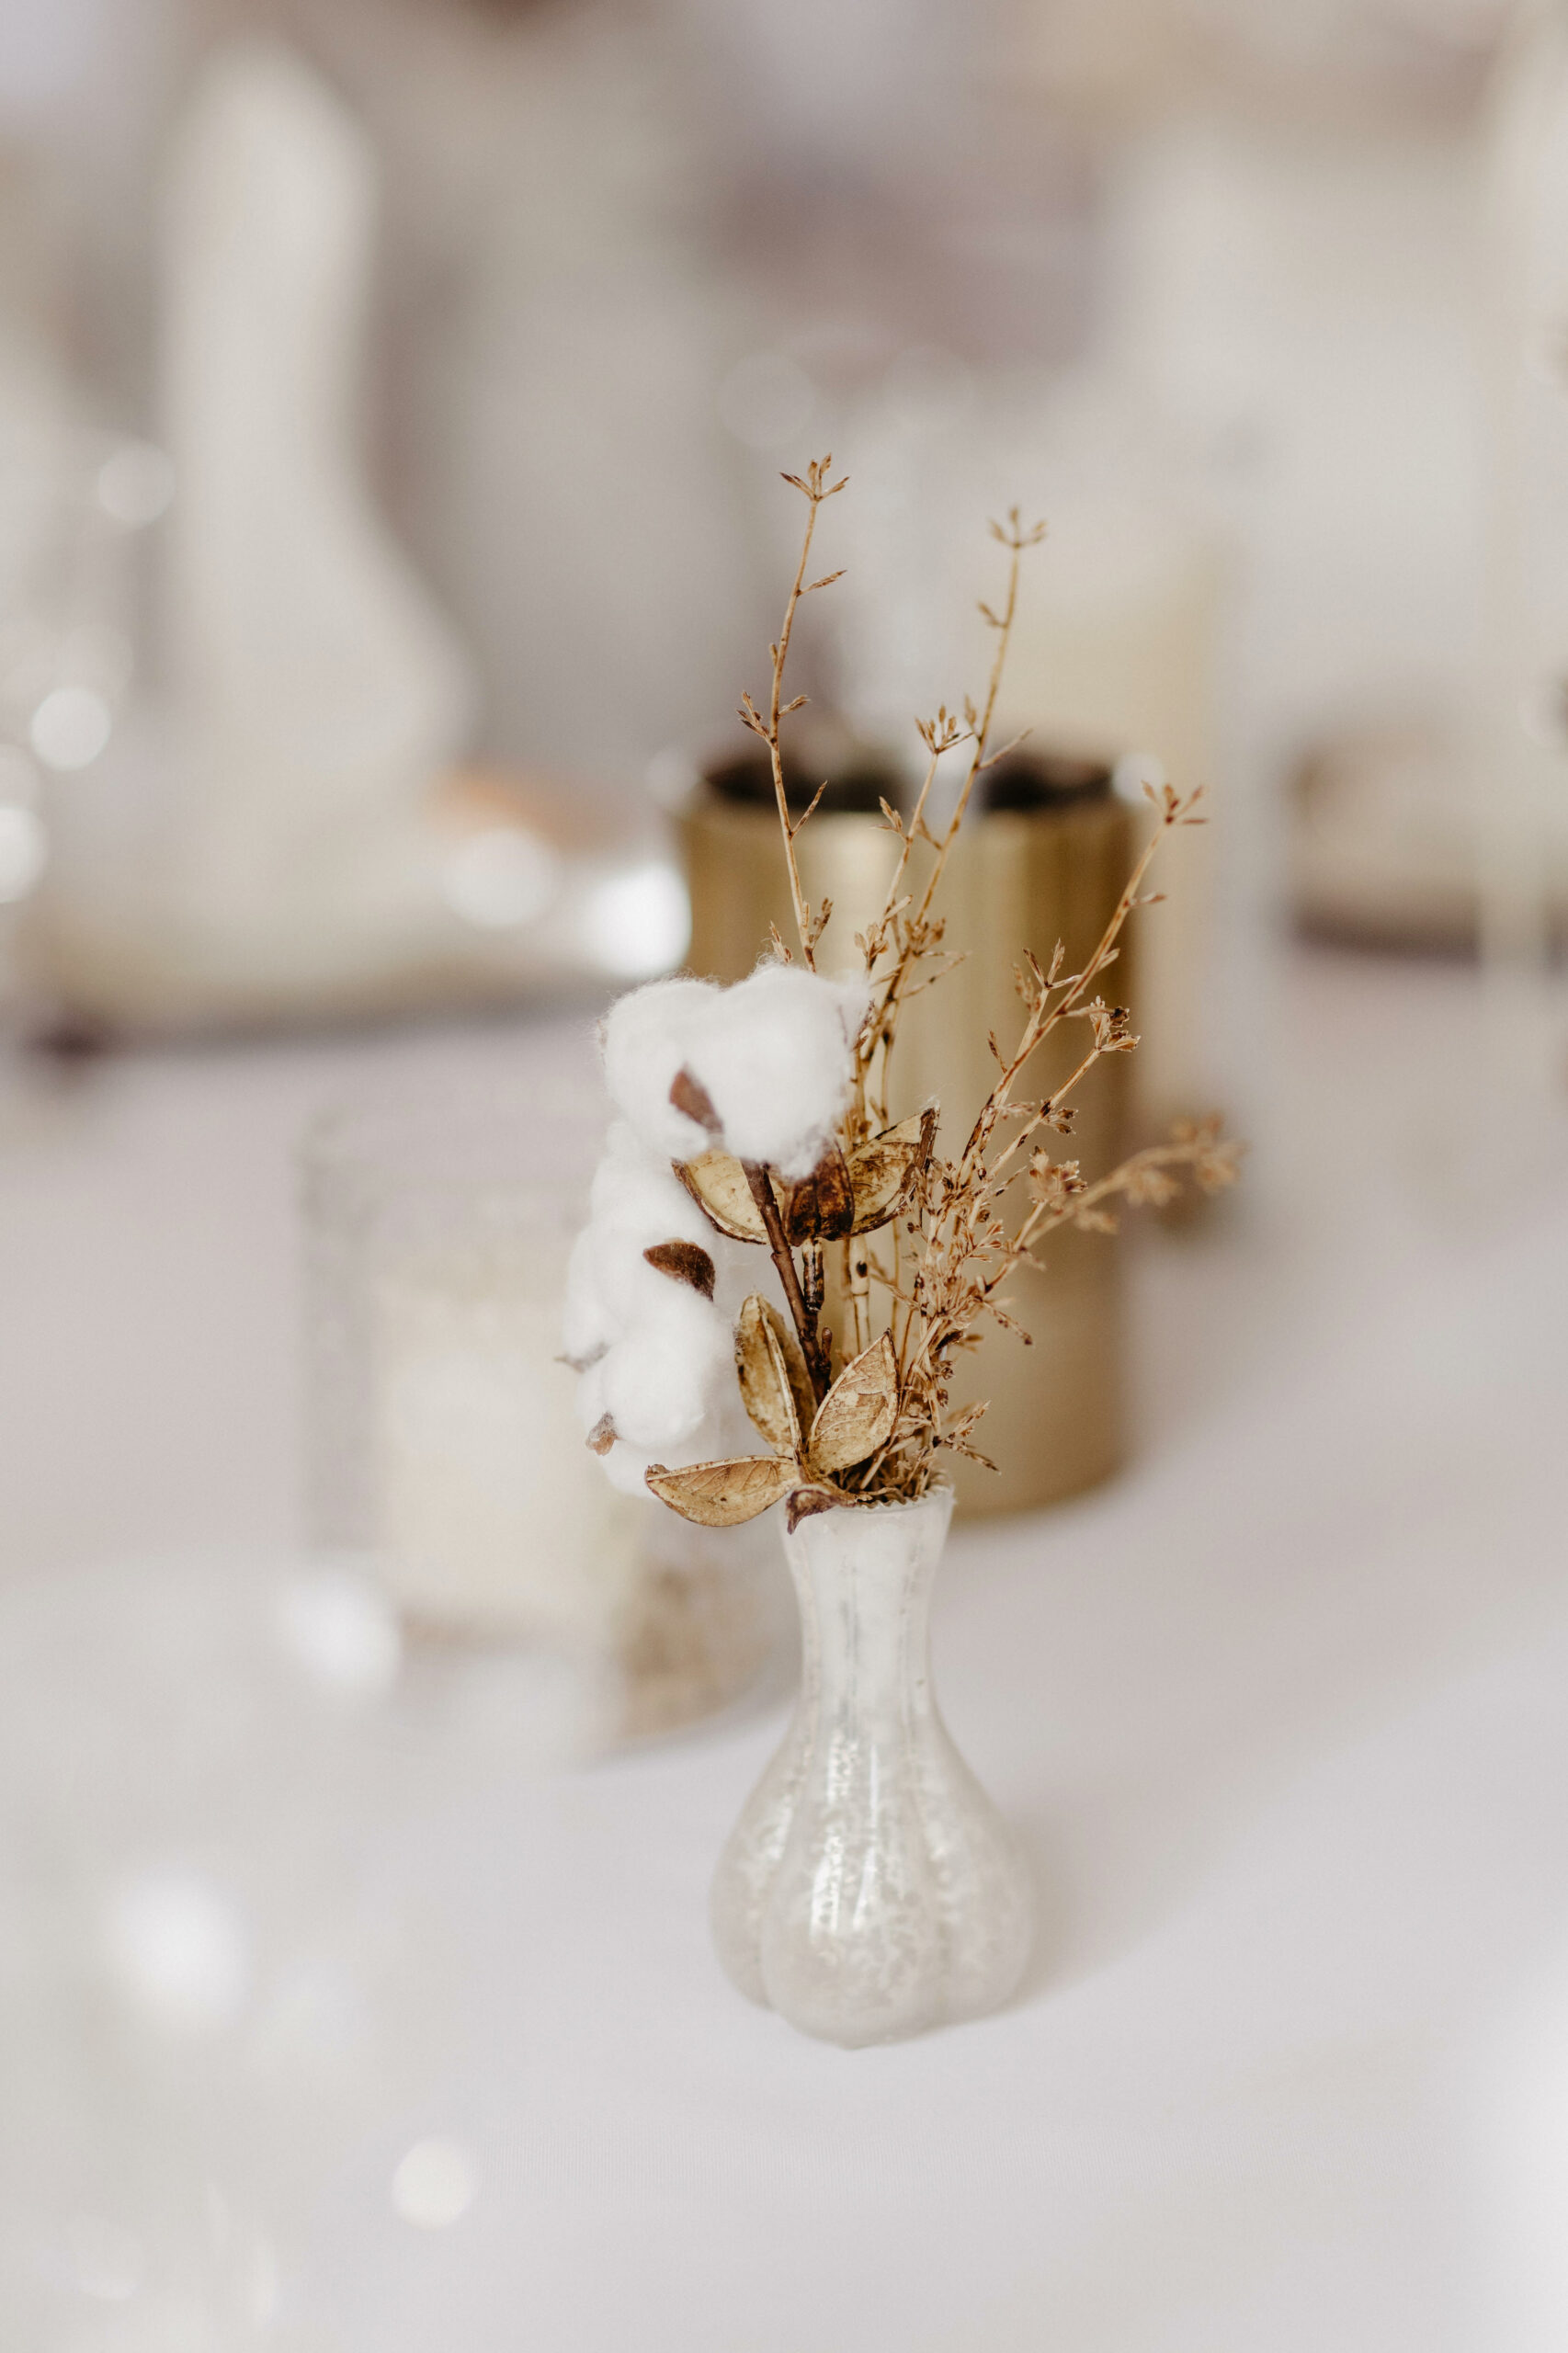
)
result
[(646, 1039), (660, 1381), (656, 1356), (775, 1055), (634, 1201)]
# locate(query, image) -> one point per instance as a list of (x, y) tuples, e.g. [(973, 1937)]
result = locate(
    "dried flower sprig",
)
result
[(868, 1423), (816, 489)]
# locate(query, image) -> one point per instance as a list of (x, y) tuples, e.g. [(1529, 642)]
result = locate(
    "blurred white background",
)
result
[(393, 397)]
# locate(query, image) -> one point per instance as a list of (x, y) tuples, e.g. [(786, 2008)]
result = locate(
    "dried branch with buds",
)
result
[(869, 1423)]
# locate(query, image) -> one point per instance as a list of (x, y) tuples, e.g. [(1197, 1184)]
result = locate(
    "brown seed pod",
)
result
[(688, 1095), (723, 1495), (805, 1501), (685, 1262), (859, 1412), (718, 1184), (821, 1208), (775, 1387), (883, 1173)]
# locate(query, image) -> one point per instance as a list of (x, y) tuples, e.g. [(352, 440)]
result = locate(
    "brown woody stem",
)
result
[(857, 1290), (775, 747), (805, 1320)]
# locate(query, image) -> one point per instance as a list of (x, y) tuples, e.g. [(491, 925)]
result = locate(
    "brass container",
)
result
[(1046, 861)]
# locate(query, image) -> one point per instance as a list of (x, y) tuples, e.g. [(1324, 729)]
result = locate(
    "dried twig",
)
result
[(816, 489), (954, 1242)]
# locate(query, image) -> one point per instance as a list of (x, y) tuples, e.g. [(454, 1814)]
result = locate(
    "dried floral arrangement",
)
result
[(756, 1117)]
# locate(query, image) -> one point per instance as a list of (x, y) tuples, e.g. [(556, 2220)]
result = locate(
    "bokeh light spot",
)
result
[(24, 849), (342, 1632), (637, 925), (434, 2185), (71, 727), (179, 1946), (135, 483), (501, 878), (1136, 771)]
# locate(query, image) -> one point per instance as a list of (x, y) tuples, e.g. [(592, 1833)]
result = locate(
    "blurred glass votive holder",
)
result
[(441, 1443)]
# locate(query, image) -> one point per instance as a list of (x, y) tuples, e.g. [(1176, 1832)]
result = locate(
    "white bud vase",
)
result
[(871, 1889)]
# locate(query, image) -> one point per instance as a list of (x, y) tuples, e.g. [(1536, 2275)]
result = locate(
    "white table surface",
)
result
[(1281, 1716)]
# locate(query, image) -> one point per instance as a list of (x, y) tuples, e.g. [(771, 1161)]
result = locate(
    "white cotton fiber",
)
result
[(664, 1379), (658, 1355), (646, 1040), (721, 1439), (668, 1390), (660, 1383), (634, 1204), (776, 1055), (625, 1468), (639, 1195)]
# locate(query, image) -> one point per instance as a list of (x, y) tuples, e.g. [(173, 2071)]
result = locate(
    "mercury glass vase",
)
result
[(870, 1889)]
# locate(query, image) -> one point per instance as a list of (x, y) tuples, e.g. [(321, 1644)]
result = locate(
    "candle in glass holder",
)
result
[(489, 1507), (442, 1438)]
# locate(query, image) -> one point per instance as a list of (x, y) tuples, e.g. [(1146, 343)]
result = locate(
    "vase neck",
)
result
[(864, 1578)]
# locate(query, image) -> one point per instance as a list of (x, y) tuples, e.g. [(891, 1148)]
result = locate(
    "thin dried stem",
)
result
[(956, 1237), (816, 488), (856, 1272), (911, 937), (802, 1313)]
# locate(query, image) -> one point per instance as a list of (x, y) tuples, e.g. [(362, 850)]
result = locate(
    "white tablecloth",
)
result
[(1281, 1717)]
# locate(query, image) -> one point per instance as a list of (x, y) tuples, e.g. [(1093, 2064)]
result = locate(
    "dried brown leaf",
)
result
[(807, 1501), (857, 1413), (685, 1262), (723, 1495), (602, 1436), (688, 1095), (821, 1208), (762, 1361), (716, 1183), (883, 1173)]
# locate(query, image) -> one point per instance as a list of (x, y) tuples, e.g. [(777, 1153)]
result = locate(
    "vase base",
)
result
[(870, 1891)]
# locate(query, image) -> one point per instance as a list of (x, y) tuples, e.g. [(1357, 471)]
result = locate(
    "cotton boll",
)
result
[(776, 1055), (659, 1354), (633, 1189), (636, 1204), (722, 1434), (635, 1294), (625, 1468), (663, 1380), (646, 1040)]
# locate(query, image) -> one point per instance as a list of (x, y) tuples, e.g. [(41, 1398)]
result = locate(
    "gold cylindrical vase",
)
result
[(1044, 861)]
